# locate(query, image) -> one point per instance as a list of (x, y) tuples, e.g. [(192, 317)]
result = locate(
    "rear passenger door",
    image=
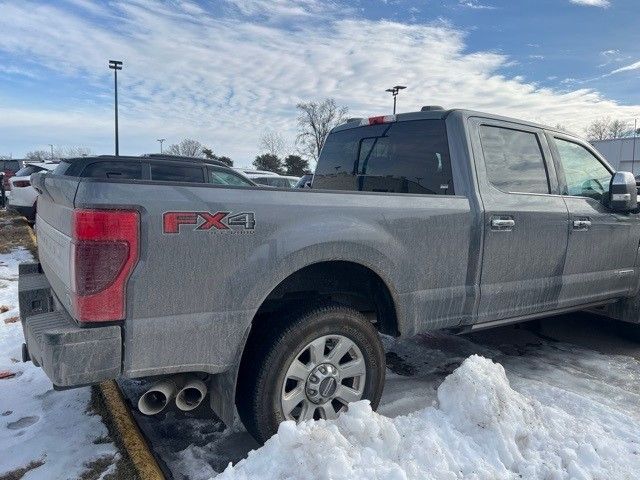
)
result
[(525, 221), (602, 249)]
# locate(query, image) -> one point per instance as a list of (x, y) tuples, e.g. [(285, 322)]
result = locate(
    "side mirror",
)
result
[(624, 192)]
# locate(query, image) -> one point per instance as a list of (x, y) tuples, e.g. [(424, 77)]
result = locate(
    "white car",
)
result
[(263, 177), (23, 196)]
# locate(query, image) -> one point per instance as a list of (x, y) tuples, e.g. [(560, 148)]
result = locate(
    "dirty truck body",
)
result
[(211, 279)]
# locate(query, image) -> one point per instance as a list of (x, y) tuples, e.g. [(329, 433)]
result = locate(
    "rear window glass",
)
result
[(399, 157), (172, 172), (119, 170), (28, 170)]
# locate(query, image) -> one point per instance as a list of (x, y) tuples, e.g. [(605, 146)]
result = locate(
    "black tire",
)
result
[(274, 344)]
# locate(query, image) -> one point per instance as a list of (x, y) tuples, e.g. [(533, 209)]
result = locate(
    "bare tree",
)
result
[(186, 148), (619, 129), (273, 143), (70, 152), (598, 129), (605, 128), (37, 155), (315, 120), (59, 152)]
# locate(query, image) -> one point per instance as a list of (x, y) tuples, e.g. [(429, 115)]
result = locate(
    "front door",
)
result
[(526, 221), (601, 256)]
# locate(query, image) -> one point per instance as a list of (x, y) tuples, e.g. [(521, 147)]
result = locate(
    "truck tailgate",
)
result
[(53, 227)]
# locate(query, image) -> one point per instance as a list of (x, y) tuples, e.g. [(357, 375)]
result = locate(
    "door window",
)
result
[(172, 172), (585, 175), (514, 160)]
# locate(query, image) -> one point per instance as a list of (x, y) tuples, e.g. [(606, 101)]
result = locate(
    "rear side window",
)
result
[(171, 172), (399, 157), (514, 160), (117, 170)]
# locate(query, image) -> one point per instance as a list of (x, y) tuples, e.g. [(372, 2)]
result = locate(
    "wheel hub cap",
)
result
[(322, 383), (323, 378)]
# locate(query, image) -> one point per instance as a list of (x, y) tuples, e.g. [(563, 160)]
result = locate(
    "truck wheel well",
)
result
[(347, 283)]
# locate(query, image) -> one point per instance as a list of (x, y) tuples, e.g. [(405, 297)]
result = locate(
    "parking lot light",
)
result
[(116, 65), (394, 91)]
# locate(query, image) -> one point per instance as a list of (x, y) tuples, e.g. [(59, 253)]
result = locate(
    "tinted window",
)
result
[(62, 167), (10, 165), (118, 170), (28, 170), (219, 176), (399, 157), (585, 175), (514, 160), (172, 172)]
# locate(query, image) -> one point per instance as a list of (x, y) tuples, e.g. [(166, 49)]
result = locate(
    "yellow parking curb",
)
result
[(132, 439)]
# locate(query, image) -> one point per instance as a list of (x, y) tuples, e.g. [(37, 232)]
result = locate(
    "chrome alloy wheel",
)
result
[(323, 378)]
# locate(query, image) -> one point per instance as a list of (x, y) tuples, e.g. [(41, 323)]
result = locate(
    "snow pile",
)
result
[(38, 424), (479, 428)]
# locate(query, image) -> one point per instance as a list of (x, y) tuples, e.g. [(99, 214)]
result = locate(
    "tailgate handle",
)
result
[(503, 223)]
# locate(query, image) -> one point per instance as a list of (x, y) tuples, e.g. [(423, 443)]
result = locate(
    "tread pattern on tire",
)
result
[(262, 353)]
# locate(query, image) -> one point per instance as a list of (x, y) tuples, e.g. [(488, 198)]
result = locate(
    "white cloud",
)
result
[(627, 68), (593, 3), (224, 78), (475, 5)]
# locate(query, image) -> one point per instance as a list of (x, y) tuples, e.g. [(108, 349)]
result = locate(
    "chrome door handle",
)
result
[(503, 223), (581, 224)]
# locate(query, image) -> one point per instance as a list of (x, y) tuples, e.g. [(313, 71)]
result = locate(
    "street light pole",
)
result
[(161, 141), (116, 65), (633, 154), (394, 91)]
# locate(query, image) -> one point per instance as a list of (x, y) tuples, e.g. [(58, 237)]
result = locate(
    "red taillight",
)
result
[(21, 183), (105, 251)]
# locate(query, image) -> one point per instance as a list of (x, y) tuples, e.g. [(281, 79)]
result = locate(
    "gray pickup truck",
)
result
[(273, 300)]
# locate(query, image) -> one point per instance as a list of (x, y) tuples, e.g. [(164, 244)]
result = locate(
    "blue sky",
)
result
[(224, 72)]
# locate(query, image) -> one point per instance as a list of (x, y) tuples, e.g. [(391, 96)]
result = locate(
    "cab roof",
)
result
[(434, 112)]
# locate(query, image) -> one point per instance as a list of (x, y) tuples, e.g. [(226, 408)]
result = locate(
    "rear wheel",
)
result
[(309, 366)]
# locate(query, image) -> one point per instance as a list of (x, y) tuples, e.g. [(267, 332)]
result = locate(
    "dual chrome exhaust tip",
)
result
[(187, 391)]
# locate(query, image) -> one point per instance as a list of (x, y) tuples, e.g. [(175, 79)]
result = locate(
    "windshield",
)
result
[(227, 177), (28, 170)]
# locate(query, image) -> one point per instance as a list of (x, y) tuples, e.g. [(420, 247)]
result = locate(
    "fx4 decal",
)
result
[(243, 222)]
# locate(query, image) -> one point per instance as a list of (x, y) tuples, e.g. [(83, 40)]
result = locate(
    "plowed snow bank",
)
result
[(479, 428)]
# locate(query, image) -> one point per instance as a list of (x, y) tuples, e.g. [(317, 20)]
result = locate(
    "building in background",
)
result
[(620, 153)]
